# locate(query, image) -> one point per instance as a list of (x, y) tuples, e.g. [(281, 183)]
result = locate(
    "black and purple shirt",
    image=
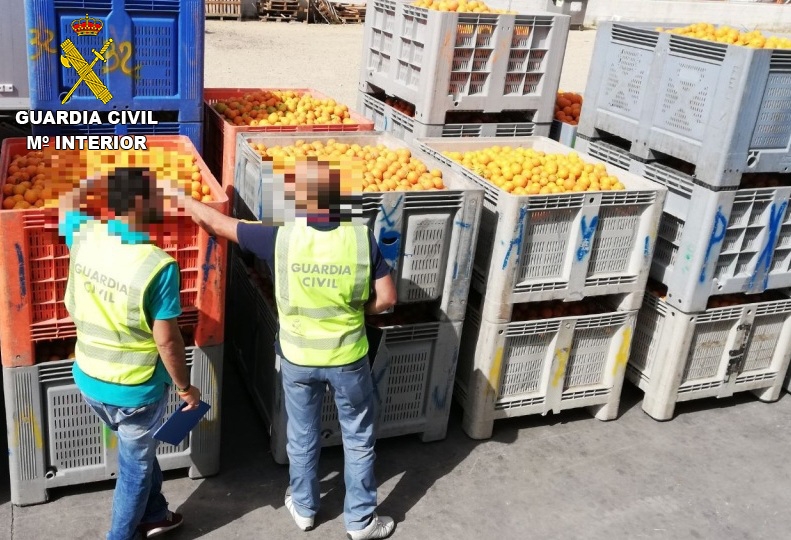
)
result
[(259, 239)]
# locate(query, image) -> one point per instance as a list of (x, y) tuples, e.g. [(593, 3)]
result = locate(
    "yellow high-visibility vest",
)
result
[(322, 281), (107, 284)]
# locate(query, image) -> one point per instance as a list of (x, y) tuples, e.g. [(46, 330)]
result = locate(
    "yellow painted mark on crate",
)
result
[(26, 416), (563, 358), (623, 352), (119, 55), (496, 370), (108, 437), (42, 42)]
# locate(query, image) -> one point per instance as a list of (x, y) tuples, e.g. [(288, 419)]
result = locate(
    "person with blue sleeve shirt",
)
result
[(123, 296), (328, 274)]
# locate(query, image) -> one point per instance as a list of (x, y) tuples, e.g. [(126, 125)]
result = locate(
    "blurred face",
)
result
[(309, 177), (151, 212)]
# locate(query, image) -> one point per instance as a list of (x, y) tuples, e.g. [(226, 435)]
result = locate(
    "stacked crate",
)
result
[(710, 122), (427, 73), (154, 63), (557, 282), (220, 133), (427, 237), (54, 439)]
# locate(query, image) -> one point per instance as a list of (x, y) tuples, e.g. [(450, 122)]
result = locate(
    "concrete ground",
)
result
[(719, 470)]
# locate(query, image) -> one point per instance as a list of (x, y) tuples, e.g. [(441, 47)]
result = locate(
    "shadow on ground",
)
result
[(250, 479)]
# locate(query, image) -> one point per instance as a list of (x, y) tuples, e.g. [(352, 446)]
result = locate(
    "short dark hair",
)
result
[(328, 193), (126, 184)]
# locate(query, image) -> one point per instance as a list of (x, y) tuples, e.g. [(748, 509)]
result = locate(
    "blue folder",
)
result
[(178, 426)]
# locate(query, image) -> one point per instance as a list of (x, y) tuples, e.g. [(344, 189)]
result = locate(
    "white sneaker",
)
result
[(304, 523), (380, 527)]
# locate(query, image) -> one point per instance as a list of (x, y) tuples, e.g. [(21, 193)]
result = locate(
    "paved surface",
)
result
[(719, 470), (326, 58)]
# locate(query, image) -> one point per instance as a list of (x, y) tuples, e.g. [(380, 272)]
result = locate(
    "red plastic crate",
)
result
[(219, 140), (34, 266)]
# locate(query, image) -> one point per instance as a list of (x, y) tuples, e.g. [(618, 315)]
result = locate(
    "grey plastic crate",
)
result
[(713, 353), (522, 368), (55, 440), (14, 56), (413, 372), (713, 242), (722, 108), (428, 238), (389, 120), (447, 61), (565, 246), (413, 389)]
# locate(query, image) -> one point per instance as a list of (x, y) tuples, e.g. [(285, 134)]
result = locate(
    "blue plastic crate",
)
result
[(193, 130), (154, 63)]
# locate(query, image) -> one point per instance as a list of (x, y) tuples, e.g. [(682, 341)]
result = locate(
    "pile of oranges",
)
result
[(379, 168), (555, 309), (401, 106), (525, 171), (460, 6), (730, 36), (282, 108), (567, 107), (36, 179)]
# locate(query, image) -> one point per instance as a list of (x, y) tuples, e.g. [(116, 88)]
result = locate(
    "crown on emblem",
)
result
[(87, 26)]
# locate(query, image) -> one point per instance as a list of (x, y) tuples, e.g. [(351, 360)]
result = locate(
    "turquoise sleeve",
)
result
[(71, 224), (163, 298)]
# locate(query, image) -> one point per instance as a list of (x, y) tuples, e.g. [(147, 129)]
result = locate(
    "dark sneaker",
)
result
[(380, 527), (150, 530)]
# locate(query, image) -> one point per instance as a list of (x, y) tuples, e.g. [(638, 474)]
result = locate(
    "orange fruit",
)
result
[(31, 196)]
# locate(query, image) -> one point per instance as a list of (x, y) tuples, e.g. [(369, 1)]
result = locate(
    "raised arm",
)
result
[(73, 201), (214, 222)]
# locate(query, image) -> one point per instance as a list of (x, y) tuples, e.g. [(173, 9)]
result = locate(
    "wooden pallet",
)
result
[(350, 13), (224, 9), (282, 10), (279, 6), (326, 11)]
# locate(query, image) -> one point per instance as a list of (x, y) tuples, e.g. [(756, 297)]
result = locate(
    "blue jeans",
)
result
[(303, 387), (138, 497)]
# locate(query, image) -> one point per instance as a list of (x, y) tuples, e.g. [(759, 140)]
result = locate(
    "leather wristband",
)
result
[(183, 390)]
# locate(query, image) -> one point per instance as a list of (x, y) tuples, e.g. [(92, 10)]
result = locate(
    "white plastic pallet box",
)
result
[(565, 246), (521, 368), (714, 353), (721, 108), (427, 237), (55, 439), (713, 242)]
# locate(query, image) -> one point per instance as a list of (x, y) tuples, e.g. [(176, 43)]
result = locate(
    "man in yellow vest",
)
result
[(123, 296), (324, 269)]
